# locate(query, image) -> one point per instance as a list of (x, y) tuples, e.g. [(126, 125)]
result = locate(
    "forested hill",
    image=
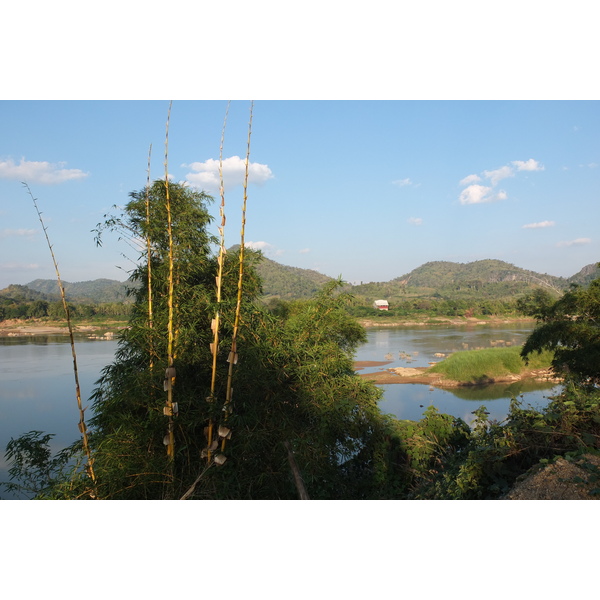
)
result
[(98, 290), (442, 274), (289, 283), (484, 278), (586, 275)]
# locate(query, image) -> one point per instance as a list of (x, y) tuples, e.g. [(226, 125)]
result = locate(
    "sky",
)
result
[(363, 189)]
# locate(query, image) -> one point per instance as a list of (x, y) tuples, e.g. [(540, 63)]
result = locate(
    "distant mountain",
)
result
[(482, 278), (587, 274), (22, 293), (475, 274), (289, 283), (98, 290), (485, 278)]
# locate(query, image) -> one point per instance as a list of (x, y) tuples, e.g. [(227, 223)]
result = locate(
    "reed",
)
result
[(149, 255), (216, 322), (233, 354), (82, 426), (170, 408)]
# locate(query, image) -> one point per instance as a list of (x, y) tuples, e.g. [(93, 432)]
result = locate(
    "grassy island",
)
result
[(479, 366)]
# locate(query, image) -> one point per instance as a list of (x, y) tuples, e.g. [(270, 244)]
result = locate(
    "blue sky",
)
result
[(368, 190)]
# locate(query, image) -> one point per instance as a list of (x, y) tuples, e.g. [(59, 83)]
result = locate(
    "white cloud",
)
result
[(528, 165), (402, 182), (577, 242), (266, 248), (13, 266), (539, 225), (304, 251), (415, 221), (206, 176), (17, 233), (263, 246), (470, 179), (38, 172), (498, 174), (475, 194)]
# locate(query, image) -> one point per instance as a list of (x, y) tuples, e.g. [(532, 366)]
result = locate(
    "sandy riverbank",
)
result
[(430, 322), (421, 375), (21, 328)]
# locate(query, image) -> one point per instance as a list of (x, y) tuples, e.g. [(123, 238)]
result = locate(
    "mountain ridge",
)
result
[(289, 283)]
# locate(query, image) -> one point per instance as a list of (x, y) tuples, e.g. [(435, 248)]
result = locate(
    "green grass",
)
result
[(472, 366)]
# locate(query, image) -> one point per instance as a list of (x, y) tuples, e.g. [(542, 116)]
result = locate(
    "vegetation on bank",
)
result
[(481, 366), (20, 302)]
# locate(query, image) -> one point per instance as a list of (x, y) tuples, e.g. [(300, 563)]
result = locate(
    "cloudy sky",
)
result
[(364, 189)]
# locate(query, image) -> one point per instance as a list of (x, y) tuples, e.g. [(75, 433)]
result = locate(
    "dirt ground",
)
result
[(562, 480)]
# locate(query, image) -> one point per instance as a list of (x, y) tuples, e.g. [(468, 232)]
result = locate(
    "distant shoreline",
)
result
[(432, 322), (28, 328)]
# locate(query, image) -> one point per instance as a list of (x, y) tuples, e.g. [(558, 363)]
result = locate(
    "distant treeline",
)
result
[(437, 307), (20, 302)]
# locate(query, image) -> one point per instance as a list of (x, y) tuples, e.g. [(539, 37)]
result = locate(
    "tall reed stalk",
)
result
[(170, 408), (233, 354), (149, 255), (82, 426), (216, 322)]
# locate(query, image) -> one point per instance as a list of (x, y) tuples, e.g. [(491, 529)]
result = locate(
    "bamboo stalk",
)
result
[(233, 353), (221, 260), (149, 253), (81, 424), (299, 482), (169, 377)]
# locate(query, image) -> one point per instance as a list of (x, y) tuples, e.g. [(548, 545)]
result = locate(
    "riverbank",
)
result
[(424, 376), (31, 327), (451, 321)]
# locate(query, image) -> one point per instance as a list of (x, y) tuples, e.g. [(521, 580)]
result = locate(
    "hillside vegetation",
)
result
[(97, 290)]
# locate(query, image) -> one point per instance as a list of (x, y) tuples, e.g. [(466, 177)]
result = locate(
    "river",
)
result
[(37, 389), (418, 347)]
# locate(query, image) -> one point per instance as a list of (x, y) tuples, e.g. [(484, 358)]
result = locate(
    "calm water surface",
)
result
[(37, 387)]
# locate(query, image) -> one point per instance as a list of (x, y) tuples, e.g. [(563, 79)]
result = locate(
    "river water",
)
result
[(37, 389), (419, 346)]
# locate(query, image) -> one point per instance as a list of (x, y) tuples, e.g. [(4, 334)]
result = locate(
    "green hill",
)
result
[(586, 275), (486, 279), (482, 279), (289, 283), (96, 291)]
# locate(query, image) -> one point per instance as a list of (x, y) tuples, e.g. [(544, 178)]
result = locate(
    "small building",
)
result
[(381, 305)]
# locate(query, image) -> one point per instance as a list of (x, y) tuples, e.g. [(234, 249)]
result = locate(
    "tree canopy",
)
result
[(570, 327)]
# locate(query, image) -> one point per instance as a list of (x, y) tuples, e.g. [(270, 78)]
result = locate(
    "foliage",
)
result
[(34, 472), (294, 384), (498, 453), (570, 327)]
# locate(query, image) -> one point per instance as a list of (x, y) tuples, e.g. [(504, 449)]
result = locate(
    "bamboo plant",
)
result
[(219, 281), (171, 408), (82, 426), (224, 432)]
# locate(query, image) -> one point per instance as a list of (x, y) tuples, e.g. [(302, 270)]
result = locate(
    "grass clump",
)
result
[(479, 366)]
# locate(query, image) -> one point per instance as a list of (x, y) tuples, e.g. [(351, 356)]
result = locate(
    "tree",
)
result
[(298, 411), (571, 328)]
